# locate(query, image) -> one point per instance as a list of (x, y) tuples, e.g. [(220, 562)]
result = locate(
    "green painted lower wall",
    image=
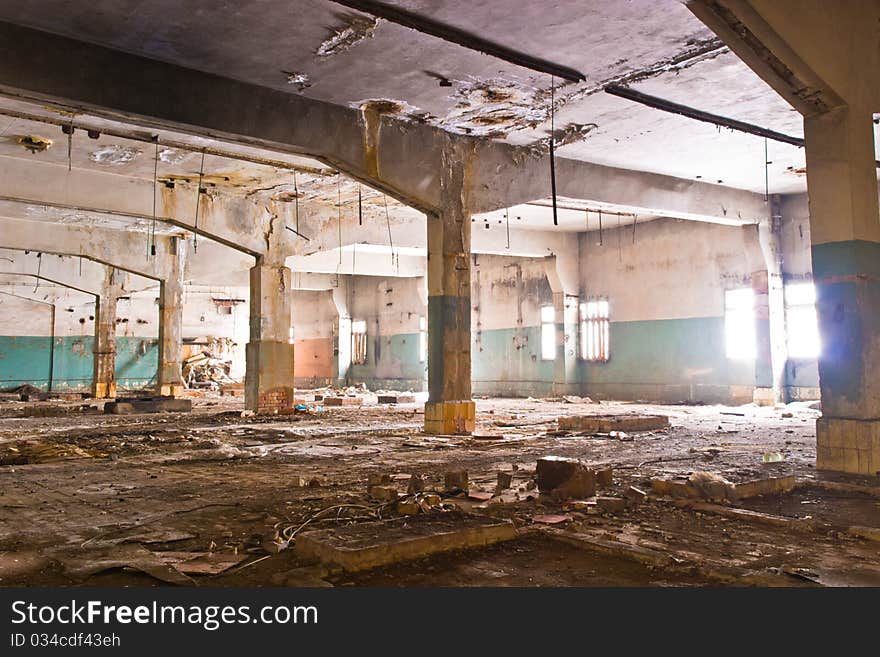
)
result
[(507, 362), (392, 364), (670, 360), (25, 360)]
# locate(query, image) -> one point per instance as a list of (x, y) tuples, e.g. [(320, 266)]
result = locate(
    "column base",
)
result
[(170, 389), (268, 382), (763, 397), (450, 417), (845, 445), (104, 390)]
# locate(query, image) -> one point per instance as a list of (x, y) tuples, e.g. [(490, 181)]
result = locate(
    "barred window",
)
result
[(594, 330), (358, 342)]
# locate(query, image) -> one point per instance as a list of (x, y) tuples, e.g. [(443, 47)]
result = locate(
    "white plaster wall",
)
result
[(672, 269)]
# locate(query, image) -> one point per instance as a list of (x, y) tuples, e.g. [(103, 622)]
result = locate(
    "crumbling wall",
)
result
[(665, 283), (506, 297)]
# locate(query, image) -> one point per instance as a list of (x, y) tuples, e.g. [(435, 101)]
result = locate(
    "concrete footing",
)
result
[(845, 445), (450, 417), (606, 423), (148, 405)]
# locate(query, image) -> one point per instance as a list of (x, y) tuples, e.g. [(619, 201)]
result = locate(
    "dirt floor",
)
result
[(212, 498)]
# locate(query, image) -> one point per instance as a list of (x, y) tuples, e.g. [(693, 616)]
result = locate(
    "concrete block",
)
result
[(369, 545), (608, 423), (611, 504), (416, 485), (377, 479), (383, 493), (452, 417), (455, 480), (343, 401), (396, 399), (565, 478), (605, 477), (505, 479), (127, 406), (767, 486)]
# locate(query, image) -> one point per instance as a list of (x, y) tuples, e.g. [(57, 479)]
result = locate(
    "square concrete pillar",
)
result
[(845, 231), (449, 409), (269, 354)]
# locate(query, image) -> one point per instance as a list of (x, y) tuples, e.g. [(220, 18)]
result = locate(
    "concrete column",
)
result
[(269, 354), (449, 409), (104, 374), (767, 283), (169, 378), (845, 235)]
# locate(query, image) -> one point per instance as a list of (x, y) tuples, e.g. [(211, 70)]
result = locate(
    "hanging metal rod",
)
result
[(463, 38), (700, 115), (177, 145)]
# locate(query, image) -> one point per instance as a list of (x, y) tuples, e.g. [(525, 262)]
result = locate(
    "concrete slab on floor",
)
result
[(148, 405), (372, 544), (608, 423)]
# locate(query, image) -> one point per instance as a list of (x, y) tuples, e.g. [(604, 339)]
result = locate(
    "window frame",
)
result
[(594, 330), (358, 342)]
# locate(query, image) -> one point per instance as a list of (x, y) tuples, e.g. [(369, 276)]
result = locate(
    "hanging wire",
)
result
[(766, 173), (619, 237), (600, 227), (296, 201), (360, 207), (635, 217), (339, 217), (69, 132), (39, 267), (198, 203), (390, 241), (151, 243), (552, 147), (507, 220)]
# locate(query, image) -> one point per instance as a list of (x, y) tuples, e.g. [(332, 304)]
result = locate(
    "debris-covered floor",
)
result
[(723, 495)]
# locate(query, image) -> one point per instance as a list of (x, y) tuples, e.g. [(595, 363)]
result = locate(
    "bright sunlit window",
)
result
[(801, 323), (739, 323), (594, 330), (548, 333)]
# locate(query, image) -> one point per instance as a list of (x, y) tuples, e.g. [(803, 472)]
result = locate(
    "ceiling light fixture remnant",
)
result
[(93, 134), (35, 143), (356, 29), (427, 25), (298, 80), (114, 155)]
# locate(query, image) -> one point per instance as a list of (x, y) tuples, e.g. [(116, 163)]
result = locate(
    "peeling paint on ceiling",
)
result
[(35, 143), (114, 155), (355, 29)]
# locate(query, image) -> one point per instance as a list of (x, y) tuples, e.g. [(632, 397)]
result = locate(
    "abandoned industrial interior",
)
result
[(440, 293)]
